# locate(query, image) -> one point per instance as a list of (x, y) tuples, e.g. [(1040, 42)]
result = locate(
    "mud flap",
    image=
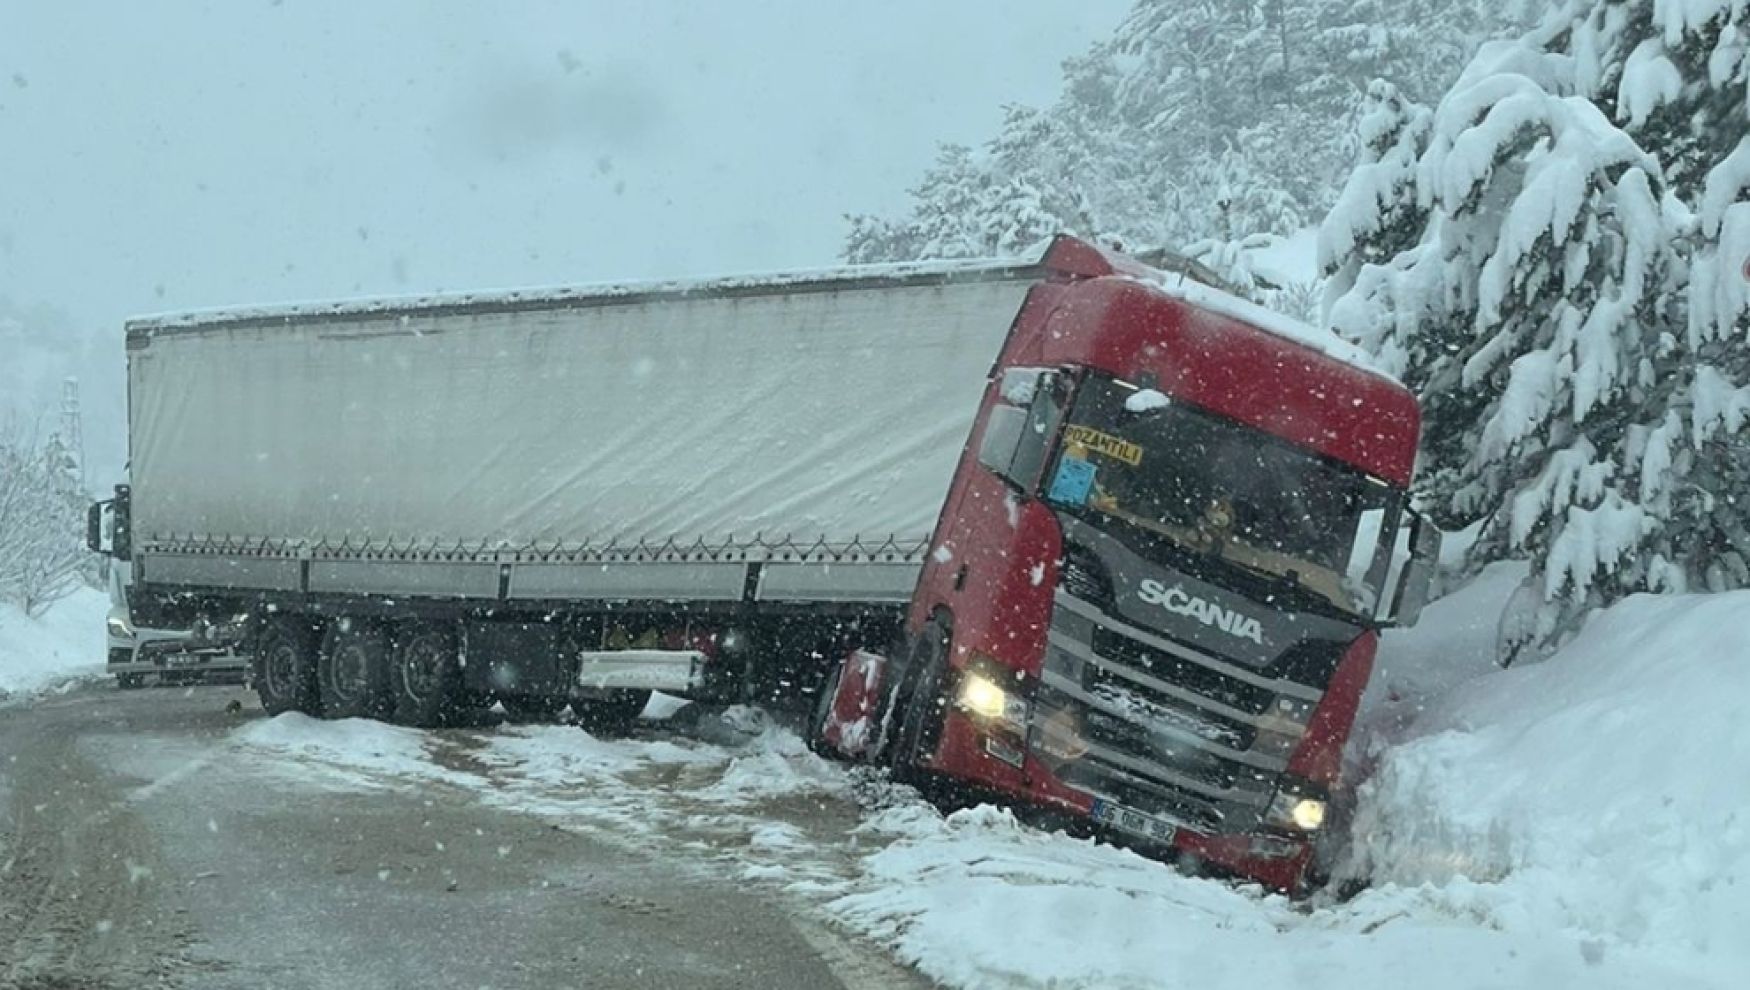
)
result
[(852, 726)]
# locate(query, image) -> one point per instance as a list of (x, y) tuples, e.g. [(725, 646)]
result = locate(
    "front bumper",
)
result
[(155, 651), (969, 753), (1181, 740)]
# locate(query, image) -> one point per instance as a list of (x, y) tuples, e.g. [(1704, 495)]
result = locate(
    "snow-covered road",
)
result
[(974, 899), (1580, 823)]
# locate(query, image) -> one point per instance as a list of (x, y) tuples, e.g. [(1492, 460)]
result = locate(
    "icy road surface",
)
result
[(152, 836), (153, 839)]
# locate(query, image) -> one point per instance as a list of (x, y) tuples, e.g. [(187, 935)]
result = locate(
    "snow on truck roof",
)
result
[(597, 294), (1162, 271)]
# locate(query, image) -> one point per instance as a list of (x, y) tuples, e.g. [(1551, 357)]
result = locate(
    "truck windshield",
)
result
[(1216, 488)]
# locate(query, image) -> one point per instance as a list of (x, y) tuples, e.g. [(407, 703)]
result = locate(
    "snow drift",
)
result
[(64, 644), (1601, 794)]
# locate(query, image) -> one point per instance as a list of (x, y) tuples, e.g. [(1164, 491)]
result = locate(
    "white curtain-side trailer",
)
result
[(705, 487)]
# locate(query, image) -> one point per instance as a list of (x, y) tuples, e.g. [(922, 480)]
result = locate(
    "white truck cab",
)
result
[(171, 654)]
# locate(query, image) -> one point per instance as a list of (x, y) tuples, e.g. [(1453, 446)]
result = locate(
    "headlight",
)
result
[(1308, 814), (1298, 812), (984, 697), (981, 696), (119, 627)]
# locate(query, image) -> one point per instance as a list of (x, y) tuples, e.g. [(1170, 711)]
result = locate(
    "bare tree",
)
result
[(42, 554)]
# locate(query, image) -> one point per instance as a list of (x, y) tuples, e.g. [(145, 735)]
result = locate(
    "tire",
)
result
[(285, 659), (128, 682), (352, 670), (923, 708), (425, 677), (613, 713), (532, 708)]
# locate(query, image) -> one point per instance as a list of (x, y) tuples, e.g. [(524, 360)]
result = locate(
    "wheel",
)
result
[(352, 670), (285, 657), (922, 705), (128, 682), (532, 708), (612, 712), (426, 676)]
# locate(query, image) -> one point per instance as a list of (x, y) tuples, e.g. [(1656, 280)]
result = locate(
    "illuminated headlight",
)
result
[(984, 697), (1296, 811), (119, 627)]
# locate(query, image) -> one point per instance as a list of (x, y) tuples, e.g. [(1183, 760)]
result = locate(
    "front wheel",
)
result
[(924, 706), (127, 682)]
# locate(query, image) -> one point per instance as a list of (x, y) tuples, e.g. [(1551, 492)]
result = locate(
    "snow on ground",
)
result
[(63, 645), (363, 751), (1579, 823), (1453, 642), (1602, 793)]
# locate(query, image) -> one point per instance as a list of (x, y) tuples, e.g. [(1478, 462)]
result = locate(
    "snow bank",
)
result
[(776, 763), (977, 900), (1602, 794), (64, 644), (1454, 642)]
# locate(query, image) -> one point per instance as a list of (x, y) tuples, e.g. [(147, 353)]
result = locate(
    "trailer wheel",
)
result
[(285, 658), (612, 713), (532, 708), (426, 676), (920, 720), (352, 670)]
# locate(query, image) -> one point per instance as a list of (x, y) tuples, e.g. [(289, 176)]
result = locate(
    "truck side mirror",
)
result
[(94, 527), (1002, 435), (121, 538), (1418, 578), (1018, 432)]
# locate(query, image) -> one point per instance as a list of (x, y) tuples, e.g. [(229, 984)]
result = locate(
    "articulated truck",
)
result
[(1082, 534)]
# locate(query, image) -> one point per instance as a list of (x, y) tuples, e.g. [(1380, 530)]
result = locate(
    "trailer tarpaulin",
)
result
[(829, 414)]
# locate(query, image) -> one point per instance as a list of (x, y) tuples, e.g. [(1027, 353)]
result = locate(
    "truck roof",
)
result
[(1164, 271), (589, 295)]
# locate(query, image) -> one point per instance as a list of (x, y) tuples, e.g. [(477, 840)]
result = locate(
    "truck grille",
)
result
[(1169, 732), (1181, 672)]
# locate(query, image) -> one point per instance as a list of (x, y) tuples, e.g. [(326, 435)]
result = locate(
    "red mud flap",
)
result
[(852, 725)]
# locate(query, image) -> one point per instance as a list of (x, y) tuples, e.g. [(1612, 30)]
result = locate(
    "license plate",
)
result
[(1135, 822)]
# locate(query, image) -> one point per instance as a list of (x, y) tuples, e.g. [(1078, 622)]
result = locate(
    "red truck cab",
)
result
[(1154, 590)]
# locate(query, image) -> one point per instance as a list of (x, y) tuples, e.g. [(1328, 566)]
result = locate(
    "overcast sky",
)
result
[(173, 154), (170, 155)]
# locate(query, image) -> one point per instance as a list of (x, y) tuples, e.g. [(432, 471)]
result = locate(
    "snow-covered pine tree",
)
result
[(1575, 331), (1378, 217), (1184, 101), (1676, 74)]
